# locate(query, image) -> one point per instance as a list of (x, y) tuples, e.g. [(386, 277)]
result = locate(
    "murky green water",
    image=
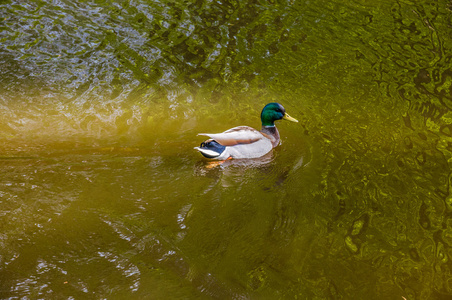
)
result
[(103, 196)]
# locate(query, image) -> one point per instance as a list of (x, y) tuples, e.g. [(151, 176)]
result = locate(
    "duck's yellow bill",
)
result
[(289, 118)]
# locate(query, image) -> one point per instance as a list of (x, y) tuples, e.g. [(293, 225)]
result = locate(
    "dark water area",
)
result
[(103, 196)]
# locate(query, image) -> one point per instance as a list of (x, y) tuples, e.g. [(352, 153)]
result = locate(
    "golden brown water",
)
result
[(103, 196)]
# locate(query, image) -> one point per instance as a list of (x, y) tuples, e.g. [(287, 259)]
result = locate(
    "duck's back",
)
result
[(235, 136)]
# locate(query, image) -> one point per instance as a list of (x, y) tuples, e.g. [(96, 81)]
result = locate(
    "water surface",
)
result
[(103, 196)]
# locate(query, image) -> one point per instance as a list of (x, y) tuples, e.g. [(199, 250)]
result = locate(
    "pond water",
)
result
[(102, 195)]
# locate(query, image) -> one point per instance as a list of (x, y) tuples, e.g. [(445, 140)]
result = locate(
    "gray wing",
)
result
[(236, 136)]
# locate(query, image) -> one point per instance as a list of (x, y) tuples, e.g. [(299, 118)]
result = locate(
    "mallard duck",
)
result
[(245, 141)]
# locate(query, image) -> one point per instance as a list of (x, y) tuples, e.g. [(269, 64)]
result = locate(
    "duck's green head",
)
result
[(273, 112)]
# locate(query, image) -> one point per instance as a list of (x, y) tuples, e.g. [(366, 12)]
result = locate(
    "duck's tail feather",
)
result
[(211, 149)]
